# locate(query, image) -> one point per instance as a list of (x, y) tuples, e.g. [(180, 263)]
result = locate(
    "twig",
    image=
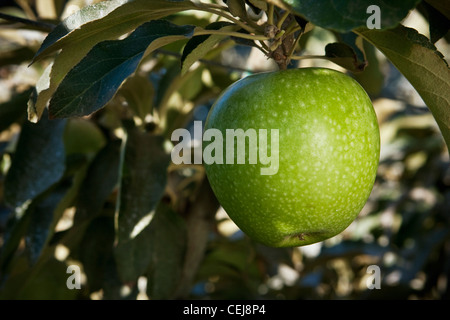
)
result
[(308, 57), (43, 26)]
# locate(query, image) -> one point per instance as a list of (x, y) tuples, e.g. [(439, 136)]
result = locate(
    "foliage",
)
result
[(90, 95)]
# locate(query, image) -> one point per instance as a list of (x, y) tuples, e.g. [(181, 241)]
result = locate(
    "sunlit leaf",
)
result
[(106, 20), (197, 47), (89, 28), (75, 21)]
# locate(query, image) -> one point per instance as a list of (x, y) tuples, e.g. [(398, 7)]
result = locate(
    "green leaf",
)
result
[(157, 252), (34, 110), (424, 67), (16, 228), (74, 21), (442, 6), (344, 55), (343, 15), (96, 251), (106, 20), (142, 182), (139, 93), (38, 162), (167, 245), (41, 219), (101, 178), (197, 47), (47, 283), (92, 26), (439, 23), (237, 8), (95, 80), (83, 136)]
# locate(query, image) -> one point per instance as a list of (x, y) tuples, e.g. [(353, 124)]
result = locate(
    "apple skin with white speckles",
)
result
[(329, 147)]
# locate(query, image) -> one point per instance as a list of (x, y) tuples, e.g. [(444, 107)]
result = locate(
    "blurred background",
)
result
[(404, 229)]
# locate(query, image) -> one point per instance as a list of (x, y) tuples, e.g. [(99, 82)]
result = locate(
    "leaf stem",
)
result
[(201, 32), (297, 39), (282, 19), (308, 57), (213, 9), (270, 14), (292, 29)]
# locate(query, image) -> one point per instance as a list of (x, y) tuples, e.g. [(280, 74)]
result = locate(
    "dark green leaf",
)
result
[(439, 23), (16, 228), (48, 283), (442, 6), (39, 161), (343, 15), (167, 245), (142, 182), (165, 84), (101, 178), (96, 251), (95, 80), (157, 252), (41, 219)]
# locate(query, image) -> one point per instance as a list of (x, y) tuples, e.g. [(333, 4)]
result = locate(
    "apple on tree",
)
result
[(328, 155)]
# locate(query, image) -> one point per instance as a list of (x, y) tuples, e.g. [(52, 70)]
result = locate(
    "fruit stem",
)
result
[(308, 57), (270, 14)]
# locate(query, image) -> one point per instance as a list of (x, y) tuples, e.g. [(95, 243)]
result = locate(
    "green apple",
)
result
[(328, 151)]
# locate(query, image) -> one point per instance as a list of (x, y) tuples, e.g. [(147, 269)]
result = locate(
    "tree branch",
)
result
[(43, 26)]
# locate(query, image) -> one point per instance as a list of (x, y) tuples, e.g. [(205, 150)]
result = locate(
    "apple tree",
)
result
[(92, 205)]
